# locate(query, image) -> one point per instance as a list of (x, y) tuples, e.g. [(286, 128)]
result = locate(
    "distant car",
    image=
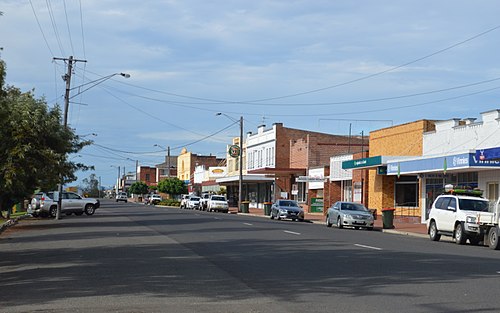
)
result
[(289, 209), (217, 203), (349, 214), (121, 196), (193, 203), (43, 204), (154, 199)]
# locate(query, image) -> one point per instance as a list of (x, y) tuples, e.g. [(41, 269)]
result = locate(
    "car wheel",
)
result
[(433, 232), (327, 221), (460, 237), (89, 209), (53, 211), (493, 239), (271, 215), (339, 223)]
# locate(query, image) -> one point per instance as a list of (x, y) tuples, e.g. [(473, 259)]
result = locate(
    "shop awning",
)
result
[(231, 180), (272, 171), (454, 162)]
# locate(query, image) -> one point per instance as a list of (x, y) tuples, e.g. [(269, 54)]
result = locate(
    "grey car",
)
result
[(289, 209), (349, 214), (43, 204)]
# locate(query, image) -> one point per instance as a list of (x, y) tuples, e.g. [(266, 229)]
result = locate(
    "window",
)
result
[(406, 191), (147, 177), (493, 192)]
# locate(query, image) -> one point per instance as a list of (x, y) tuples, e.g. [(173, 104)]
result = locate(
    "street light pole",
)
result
[(240, 178), (240, 181)]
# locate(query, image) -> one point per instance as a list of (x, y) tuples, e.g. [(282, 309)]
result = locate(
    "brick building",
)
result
[(287, 154)]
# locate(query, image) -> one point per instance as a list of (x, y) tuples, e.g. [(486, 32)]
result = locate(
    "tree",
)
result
[(91, 186), (138, 188), (34, 146), (172, 186)]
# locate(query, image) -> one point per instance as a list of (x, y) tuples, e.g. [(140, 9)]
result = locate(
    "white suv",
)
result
[(457, 216)]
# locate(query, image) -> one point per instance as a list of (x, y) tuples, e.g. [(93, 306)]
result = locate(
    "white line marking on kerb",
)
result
[(367, 247), (248, 224), (291, 232)]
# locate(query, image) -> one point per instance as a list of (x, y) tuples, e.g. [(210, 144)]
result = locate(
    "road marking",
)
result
[(248, 224), (291, 232), (367, 247), (217, 218)]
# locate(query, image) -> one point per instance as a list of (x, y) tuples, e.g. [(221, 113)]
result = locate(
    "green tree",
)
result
[(138, 188), (172, 186), (91, 186), (34, 146)]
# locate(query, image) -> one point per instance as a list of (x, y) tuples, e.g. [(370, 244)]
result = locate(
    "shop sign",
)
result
[(361, 163), (488, 154), (317, 205), (234, 151)]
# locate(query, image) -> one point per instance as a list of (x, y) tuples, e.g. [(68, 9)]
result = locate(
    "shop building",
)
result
[(461, 152), (378, 190)]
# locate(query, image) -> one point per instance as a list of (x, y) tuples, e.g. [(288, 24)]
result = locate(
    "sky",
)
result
[(327, 66)]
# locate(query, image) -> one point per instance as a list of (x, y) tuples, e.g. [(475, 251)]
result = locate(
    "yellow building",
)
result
[(401, 192)]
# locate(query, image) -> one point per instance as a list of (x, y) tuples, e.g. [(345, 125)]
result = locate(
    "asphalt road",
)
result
[(136, 258)]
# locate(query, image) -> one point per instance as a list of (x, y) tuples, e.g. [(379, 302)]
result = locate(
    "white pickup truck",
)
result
[(464, 216)]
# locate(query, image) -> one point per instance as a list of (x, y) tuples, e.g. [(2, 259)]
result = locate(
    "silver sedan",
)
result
[(349, 214)]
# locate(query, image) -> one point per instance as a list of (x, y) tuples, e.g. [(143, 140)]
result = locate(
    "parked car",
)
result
[(154, 199), (456, 215), (184, 200), (217, 203), (121, 196), (43, 204), (349, 214), (193, 202), (287, 209)]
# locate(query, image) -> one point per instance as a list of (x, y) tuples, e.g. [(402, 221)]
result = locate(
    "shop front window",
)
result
[(406, 191)]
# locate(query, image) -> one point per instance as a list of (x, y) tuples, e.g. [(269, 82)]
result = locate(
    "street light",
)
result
[(168, 157), (240, 179), (97, 82)]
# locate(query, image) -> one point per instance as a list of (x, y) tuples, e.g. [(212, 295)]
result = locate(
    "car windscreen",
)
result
[(288, 203), (194, 199), (353, 207), (473, 205), (218, 198)]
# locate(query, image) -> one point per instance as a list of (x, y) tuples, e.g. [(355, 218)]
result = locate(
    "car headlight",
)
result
[(349, 216), (470, 219), (283, 210)]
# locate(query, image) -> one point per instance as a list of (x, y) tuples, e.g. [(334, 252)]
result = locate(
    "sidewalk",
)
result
[(402, 226)]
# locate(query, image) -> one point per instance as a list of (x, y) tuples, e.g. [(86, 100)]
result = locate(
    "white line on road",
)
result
[(291, 232), (367, 247), (248, 224), (217, 218)]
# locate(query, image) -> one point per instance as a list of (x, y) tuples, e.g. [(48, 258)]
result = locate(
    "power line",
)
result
[(41, 30), (69, 30), (54, 26)]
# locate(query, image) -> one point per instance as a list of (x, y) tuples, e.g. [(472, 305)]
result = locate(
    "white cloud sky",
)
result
[(180, 54)]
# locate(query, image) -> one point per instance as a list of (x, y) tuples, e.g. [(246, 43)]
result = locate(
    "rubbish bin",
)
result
[(244, 206), (267, 208), (388, 218)]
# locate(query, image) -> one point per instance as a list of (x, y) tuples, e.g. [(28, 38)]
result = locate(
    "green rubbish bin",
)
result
[(388, 218), (267, 208), (244, 206)]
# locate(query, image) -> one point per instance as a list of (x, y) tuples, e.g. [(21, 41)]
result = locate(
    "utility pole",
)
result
[(168, 160), (240, 180), (67, 79)]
